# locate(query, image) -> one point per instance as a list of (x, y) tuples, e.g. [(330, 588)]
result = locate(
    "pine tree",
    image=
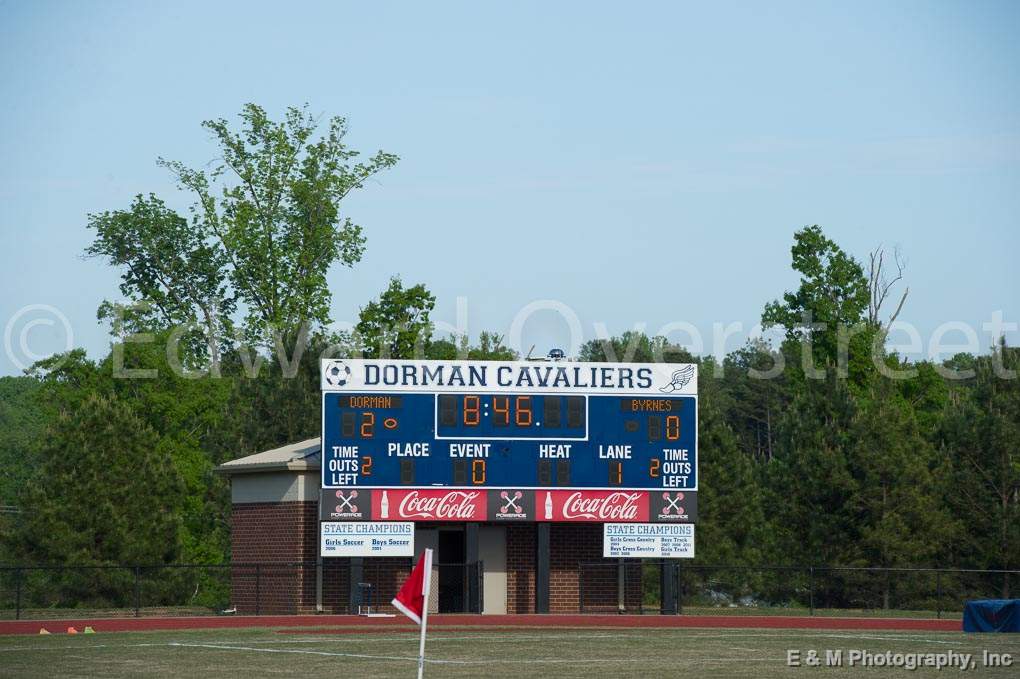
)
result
[(899, 520), (731, 527), (982, 442), (107, 492)]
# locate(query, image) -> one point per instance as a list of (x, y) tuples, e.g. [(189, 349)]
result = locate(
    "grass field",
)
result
[(475, 652)]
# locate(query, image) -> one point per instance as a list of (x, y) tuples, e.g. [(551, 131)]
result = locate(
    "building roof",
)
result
[(300, 456)]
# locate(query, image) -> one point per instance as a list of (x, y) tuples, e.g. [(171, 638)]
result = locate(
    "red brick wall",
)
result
[(282, 533), (570, 545), (520, 568), (385, 574), (273, 532)]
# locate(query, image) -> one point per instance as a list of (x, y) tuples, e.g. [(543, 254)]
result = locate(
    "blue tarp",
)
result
[(992, 615)]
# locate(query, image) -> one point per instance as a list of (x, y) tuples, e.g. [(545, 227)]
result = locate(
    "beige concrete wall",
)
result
[(286, 486), (492, 552)]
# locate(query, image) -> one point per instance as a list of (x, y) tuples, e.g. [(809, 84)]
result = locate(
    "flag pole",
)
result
[(426, 587)]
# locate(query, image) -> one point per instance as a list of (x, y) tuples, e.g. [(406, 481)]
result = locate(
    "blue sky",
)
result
[(639, 162)]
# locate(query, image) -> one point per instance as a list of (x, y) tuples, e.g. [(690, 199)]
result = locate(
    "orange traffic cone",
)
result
[(71, 630)]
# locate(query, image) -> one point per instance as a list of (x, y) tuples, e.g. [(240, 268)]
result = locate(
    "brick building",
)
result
[(524, 567)]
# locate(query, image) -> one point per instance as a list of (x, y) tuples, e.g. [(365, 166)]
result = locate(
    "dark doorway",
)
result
[(452, 583)]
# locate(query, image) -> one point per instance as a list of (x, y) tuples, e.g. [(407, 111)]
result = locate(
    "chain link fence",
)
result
[(628, 586), (674, 587)]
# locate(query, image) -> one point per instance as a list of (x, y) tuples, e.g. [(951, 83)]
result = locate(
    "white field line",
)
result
[(359, 638), (507, 638), (596, 633), (513, 637), (436, 661), (537, 661), (510, 637)]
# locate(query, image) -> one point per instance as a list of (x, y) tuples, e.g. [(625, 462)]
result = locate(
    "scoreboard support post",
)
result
[(542, 568), (318, 561), (357, 576), (621, 586), (667, 587), (471, 559)]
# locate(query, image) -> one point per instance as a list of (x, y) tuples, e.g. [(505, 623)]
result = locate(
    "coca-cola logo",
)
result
[(612, 507), (454, 505)]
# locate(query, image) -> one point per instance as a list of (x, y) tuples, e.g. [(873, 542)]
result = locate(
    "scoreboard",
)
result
[(508, 441)]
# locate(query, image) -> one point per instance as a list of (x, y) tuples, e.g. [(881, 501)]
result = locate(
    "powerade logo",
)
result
[(343, 504), (674, 506), (511, 505)]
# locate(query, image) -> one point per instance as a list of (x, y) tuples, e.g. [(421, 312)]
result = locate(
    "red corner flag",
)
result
[(410, 600), (413, 600)]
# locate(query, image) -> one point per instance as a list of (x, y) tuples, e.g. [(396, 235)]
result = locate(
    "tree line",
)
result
[(823, 460)]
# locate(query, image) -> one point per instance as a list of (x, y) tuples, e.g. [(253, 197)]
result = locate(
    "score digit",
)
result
[(478, 472), (575, 412), (654, 428), (562, 472), (545, 472), (672, 427), (406, 471), (522, 416), (616, 473), (471, 410), (501, 407), (367, 425), (551, 412), (460, 472), (447, 410), (347, 425)]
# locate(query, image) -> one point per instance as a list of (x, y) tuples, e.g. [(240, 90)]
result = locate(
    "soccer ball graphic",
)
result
[(337, 374)]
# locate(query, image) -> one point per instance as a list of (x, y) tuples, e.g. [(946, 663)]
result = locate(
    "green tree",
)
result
[(809, 482), (265, 227), (107, 492), (828, 312), (899, 517), (190, 418), (982, 446), (22, 422), (758, 394), (398, 324), (490, 347), (175, 274), (732, 527), (634, 347)]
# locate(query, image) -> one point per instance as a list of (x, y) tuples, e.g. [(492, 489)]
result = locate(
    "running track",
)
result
[(351, 623)]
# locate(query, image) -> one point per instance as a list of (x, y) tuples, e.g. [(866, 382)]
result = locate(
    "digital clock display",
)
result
[(464, 440), (496, 416)]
